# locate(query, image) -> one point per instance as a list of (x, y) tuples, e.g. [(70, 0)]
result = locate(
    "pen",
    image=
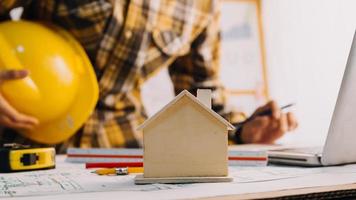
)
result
[(118, 171), (113, 165), (269, 111), (264, 113)]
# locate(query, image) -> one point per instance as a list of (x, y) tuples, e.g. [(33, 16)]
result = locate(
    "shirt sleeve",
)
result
[(200, 69)]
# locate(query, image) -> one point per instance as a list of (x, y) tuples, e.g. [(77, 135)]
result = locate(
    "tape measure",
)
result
[(17, 157)]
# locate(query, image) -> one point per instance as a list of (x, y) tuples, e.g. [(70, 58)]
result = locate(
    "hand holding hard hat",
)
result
[(60, 91), (9, 116)]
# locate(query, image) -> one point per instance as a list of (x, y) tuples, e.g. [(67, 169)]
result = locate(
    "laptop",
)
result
[(340, 145)]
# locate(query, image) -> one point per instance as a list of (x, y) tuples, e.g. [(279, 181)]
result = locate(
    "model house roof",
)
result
[(193, 99)]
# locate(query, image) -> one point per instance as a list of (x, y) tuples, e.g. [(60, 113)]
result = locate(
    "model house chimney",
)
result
[(204, 96)]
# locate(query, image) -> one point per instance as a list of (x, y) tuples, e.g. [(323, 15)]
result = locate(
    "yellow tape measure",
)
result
[(15, 157)]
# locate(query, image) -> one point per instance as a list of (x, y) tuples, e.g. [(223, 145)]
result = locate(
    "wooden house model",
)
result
[(186, 139)]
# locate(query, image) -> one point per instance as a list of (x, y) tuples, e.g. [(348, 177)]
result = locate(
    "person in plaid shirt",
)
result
[(128, 41)]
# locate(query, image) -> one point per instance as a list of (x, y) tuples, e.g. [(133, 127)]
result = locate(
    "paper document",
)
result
[(69, 180), (74, 178), (260, 174)]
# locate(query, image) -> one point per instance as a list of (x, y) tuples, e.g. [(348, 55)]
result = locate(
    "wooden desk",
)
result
[(347, 191)]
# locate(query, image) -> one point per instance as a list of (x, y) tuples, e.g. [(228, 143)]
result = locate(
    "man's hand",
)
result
[(267, 129), (9, 116)]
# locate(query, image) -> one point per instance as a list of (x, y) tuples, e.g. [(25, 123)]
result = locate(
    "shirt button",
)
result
[(128, 34), (110, 100)]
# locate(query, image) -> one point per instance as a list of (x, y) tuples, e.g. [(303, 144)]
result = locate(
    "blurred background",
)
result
[(293, 51)]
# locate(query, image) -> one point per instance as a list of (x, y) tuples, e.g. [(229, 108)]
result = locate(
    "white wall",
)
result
[(307, 45), (157, 92)]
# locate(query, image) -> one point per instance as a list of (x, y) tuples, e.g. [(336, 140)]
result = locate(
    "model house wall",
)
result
[(186, 140)]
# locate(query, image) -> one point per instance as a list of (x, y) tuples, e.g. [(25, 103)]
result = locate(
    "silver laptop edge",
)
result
[(340, 143)]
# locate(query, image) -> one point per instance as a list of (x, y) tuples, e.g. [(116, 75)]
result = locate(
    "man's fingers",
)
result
[(253, 130), (4, 120), (9, 116), (261, 122), (271, 106), (283, 123), (277, 128), (7, 110), (276, 111), (12, 74), (292, 121), (27, 119)]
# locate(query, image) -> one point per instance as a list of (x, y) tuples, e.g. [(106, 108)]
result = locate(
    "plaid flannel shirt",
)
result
[(127, 42)]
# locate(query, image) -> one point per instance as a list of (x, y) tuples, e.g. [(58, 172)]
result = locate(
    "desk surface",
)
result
[(249, 182)]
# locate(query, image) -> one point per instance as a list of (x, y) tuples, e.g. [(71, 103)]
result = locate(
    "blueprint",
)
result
[(74, 178)]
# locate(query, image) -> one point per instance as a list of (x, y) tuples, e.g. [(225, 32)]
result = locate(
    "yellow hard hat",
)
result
[(61, 89)]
